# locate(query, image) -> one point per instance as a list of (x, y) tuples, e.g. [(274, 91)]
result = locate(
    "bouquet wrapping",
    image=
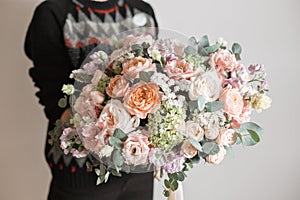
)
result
[(146, 104)]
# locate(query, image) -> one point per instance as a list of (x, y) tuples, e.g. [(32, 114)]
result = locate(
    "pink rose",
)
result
[(243, 117), (233, 101), (188, 150), (85, 107), (93, 137), (194, 130), (223, 60), (177, 69), (143, 98), (132, 67), (217, 158), (117, 87), (136, 149), (97, 76), (226, 137)]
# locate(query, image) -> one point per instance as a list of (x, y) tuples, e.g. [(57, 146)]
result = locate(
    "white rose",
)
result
[(194, 130), (208, 85), (114, 115), (212, 133), (226, 137), (217, 158)]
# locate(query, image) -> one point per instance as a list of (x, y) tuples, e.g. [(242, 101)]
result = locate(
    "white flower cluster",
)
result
[(209, 119)]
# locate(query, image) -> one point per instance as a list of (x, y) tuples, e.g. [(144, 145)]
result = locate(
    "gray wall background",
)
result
[(268, 32)]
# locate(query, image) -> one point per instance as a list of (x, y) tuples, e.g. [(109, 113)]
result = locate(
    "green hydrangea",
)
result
[(164, 126)]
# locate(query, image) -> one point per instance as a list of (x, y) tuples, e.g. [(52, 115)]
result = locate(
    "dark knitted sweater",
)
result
[(60, 36)]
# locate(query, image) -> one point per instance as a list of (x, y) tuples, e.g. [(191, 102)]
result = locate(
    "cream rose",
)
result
[(208, 85), (194, 130), (114, 115), (211, 133), (226, 137), (177, 69), (142, 98), (217, 158), (136, 149), (117, 87), (132, 67), (233, 101), (188, 150)]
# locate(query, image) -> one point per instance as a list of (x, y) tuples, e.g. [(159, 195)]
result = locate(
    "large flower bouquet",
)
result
[(161, 105)]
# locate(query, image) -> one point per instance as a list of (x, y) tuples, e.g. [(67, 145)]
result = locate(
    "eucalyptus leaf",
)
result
[(167, 183), (201, 103), (145, 76), (192, 41), (210, 148), (180, 176), (106, 177), (214, 106), (204, 42), (118, 158), (236, 48), (173, 185), (196, 144), (212, 48), (229, 152), (243, 129), (254, 135), (193, 105), (115, 142), (97, 172), (166, 193), (190, 50), (102, 169), (118, 133)]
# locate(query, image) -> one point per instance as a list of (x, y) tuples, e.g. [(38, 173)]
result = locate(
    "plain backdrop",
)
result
[(269, 32)]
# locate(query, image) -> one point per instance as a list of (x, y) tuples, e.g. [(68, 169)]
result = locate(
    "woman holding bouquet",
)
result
[(60, 36)]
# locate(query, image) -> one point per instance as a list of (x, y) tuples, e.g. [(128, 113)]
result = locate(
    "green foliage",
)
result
[(196, 144), (63, 102), (118, 133), (145, 76), (249, 133), (210, 148), (115, 142), (214, 106)]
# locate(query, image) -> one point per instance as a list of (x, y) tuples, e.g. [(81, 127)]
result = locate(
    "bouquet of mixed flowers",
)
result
[(160, 105)]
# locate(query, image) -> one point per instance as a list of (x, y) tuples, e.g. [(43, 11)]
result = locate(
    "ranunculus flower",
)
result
[(188, 150), (208, 85), (194, 130), (243, 117), (136, 149), (132, 67), (223, 60), (177, 69), (226, 137), (142, 98), (117, 87), (217, 158), (233, 101), (212, 132), (114, 115)]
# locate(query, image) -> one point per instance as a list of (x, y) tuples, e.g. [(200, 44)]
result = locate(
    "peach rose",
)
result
[(142, 98), (208, 85), (217, 158), (243, 117), (132, 67), (136, 149), (117, 87), (211, 133), (194, 130), (233, 101), (226, 137), (223, 60), (177, 69), (188, 150), (114, 115)]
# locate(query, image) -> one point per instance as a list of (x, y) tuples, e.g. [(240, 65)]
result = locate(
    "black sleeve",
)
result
[(44, 45)]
